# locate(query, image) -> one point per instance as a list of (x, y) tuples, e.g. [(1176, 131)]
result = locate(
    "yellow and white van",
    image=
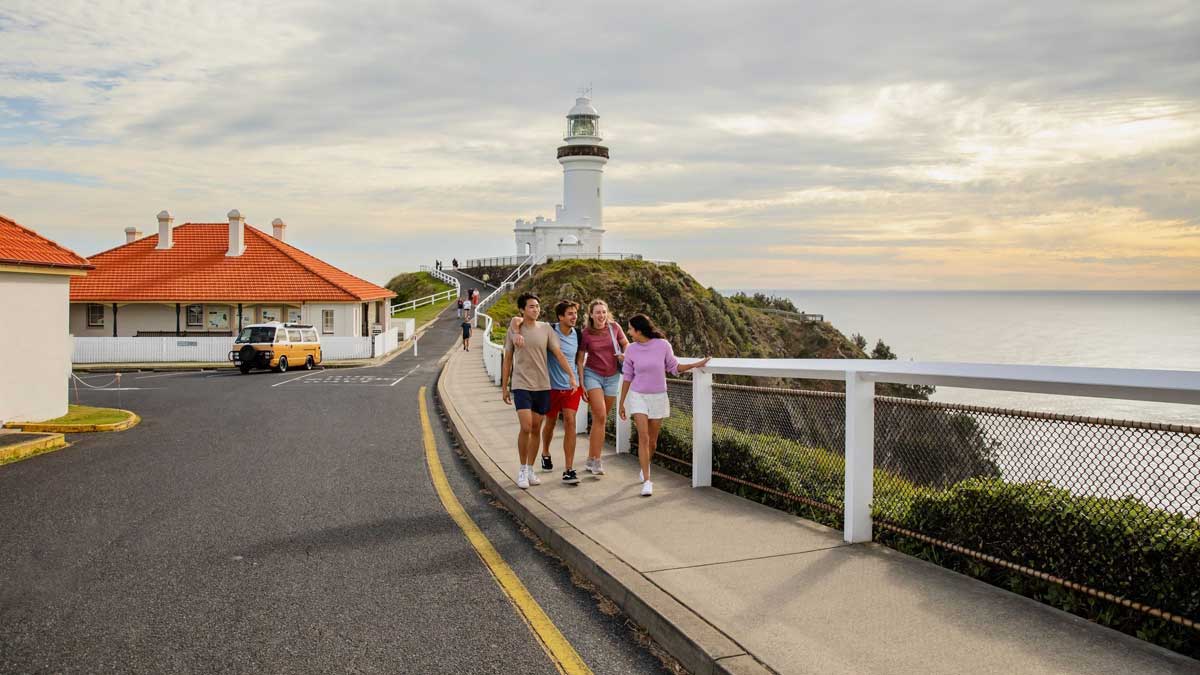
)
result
[(277, 346)]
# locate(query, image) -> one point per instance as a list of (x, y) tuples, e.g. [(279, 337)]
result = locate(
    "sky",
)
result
[(816, 145)]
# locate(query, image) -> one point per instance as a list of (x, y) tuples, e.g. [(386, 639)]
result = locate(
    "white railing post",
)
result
[(622, 431), (702, 428), (860, 457)]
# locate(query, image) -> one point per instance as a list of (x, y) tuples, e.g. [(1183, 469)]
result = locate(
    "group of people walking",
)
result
[(549, 369)]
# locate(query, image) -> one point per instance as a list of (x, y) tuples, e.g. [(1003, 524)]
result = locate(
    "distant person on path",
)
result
[(460, 307), (564, 398), (437, 264), (644, 387), (604, 344), (466, 331), (467, 307), (526, 369), (454, 261)]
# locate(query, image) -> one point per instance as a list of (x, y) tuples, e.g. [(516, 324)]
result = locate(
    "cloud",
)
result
[(975, 145)]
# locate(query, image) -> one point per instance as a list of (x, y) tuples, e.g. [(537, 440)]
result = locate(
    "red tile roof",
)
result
[(22, 246), (196, 269)]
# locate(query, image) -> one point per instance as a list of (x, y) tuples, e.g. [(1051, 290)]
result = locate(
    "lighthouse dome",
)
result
[(583, 108)]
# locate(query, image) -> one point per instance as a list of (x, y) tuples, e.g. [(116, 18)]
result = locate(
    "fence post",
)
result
[(702, 428), (622, 430), (860, 458)]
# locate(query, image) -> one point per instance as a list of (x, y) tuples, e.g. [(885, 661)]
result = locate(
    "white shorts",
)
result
[(653, 406)]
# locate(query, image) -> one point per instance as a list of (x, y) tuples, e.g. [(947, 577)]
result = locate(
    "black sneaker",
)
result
[(570, 478), (547, 463)]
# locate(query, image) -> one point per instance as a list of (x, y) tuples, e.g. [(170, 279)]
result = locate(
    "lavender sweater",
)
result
[(647, 365)]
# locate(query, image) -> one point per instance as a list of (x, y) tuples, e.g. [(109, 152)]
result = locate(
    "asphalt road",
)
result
[(273, 523)]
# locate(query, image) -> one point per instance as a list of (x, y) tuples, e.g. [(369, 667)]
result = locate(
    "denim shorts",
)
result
[(593, 380)]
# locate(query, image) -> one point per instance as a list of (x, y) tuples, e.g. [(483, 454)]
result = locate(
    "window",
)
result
[(195, 315), (281, 336), (294, 335), (95, 316), (269, 314), (327, 321), (310, 335), (293, 314)]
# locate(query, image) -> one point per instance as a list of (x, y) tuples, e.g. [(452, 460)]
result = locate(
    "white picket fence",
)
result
[(216, 349)]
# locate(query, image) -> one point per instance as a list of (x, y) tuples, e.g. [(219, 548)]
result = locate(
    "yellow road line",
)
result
[(561, 653)]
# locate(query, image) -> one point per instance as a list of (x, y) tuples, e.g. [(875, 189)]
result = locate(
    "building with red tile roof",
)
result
[(35, 276), (209, 279)]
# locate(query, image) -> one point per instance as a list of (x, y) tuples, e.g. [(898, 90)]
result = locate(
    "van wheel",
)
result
[(245, 369), (282, 367), (308, 363)]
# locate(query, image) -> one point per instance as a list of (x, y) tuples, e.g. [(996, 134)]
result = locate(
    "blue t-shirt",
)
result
[(569, 344)]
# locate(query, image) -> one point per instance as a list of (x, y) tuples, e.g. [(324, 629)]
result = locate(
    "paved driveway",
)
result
[(272, 523)]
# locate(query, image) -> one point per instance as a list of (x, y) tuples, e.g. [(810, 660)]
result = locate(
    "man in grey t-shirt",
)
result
[(525, 367)]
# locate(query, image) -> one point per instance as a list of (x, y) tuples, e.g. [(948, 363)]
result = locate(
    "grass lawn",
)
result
[(86, 414), (423, 313)]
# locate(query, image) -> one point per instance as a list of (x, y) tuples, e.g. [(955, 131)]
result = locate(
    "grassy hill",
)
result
[(412, 285), (697, 320)]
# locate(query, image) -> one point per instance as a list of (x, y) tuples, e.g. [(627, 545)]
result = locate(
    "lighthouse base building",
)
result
[(578, 228)]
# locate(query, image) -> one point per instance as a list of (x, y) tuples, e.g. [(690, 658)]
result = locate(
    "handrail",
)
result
[(406, 305), (516, 259), (442, 276), (861, 376)]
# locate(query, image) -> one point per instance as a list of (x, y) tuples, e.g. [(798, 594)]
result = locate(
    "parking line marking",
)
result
[(553, 642), (296, 378), (414, 369)]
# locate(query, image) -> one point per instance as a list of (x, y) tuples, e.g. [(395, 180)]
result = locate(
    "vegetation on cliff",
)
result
[(698, 320)]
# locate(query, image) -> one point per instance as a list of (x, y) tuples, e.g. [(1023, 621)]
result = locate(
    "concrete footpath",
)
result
[(728, 585)]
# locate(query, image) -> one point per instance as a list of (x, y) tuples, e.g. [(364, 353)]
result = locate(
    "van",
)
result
[(277, 346)]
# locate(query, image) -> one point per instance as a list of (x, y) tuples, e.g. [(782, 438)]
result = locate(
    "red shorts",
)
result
[(564, 399)]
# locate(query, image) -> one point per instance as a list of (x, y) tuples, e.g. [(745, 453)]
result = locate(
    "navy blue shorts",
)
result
[(537, 401)]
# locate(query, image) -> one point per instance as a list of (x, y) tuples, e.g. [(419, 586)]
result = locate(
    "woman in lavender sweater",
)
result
[(644, 387)]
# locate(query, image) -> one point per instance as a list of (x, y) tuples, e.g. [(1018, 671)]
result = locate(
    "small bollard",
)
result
[(416, 343)]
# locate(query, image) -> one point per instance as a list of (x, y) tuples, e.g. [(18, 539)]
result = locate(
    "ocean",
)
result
[(1125, 329)]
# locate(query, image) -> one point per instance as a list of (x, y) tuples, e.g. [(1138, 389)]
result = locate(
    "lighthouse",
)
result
[(578, 226)]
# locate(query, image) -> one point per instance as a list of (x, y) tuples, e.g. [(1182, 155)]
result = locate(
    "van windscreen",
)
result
[(256, 334)]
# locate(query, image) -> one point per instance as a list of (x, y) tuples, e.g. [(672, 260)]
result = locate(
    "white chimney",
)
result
[(237, 234), (277, 228), (165, 238), (132, 235)]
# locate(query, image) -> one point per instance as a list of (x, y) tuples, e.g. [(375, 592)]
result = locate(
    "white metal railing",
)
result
[(505, 261), (441, 276), (443, 296), (861, 375)]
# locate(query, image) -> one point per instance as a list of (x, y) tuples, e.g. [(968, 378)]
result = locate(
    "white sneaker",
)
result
[(590, 465), (647, 489), (532, 477), (522, 479), (599, 464)]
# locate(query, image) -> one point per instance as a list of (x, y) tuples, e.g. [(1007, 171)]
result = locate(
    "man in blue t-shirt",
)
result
[(563, 398)]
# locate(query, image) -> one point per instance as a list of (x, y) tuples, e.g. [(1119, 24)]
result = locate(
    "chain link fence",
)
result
[(1105, 508)]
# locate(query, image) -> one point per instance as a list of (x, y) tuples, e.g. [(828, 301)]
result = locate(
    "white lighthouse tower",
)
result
[(578, 226)]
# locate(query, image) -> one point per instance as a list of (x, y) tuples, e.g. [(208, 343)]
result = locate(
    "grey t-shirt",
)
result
[(529, 362)]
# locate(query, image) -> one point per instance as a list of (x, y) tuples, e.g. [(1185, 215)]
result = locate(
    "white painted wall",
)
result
[(134, 317), (36, 345)]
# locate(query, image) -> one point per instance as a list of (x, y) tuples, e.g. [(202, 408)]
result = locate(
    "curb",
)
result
[(36, 446), (127, 423), (691, 640)]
